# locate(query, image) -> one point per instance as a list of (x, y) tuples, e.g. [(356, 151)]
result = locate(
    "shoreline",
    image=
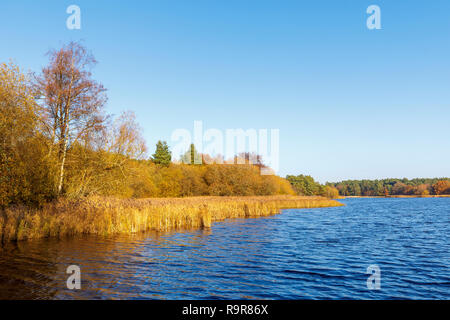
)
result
[(112, 216)]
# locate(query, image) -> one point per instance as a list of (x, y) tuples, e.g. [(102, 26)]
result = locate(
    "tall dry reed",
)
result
[(108, 216)]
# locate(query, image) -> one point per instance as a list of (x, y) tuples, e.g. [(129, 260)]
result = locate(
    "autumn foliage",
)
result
[(442, 187), (27, 172), (57, 141)]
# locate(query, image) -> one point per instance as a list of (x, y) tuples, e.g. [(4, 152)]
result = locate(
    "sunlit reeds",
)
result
[(108, 216)]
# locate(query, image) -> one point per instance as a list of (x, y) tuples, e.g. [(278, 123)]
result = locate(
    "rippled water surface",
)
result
[(299, 254)]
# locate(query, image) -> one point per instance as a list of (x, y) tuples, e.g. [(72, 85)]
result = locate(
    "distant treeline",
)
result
[(57, 141), (306, 185), (387, 187)]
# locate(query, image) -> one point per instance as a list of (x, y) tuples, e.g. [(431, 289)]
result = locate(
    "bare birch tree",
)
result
[(71, 101)]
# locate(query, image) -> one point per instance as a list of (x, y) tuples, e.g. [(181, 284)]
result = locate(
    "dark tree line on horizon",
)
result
[(387, 187), (306, 185)]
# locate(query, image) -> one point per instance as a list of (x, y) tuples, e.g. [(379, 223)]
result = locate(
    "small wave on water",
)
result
[(301, 254)]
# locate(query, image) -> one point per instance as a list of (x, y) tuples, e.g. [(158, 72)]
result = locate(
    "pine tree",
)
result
[(191, 156), (162, 155)]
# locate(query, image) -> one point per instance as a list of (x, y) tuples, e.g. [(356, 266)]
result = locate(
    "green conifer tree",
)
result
[(192, 156), (162, 155)]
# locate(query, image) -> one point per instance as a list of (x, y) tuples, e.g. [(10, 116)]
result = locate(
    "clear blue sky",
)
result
[(349, 102)]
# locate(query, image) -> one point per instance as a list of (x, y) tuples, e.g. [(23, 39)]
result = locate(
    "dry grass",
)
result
[(107, 216)]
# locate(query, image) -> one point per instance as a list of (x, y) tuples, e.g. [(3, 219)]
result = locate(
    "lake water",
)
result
[(300, 254)]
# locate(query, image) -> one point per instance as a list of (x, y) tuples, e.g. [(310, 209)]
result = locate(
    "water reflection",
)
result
[(37, 269)]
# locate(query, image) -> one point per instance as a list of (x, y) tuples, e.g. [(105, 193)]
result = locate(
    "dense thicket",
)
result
[(27, 170), (386, 187), (182, 180), (307, 186)]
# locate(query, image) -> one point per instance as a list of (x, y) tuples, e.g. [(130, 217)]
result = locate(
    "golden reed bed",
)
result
[(108, 216)]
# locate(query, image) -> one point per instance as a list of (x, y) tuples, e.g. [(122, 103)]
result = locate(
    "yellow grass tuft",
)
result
[(108, 216)]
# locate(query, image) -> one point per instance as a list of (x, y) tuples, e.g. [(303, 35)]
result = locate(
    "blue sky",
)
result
[(349, 102)]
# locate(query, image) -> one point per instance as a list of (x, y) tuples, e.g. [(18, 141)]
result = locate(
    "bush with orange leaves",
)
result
[(442, 187)]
